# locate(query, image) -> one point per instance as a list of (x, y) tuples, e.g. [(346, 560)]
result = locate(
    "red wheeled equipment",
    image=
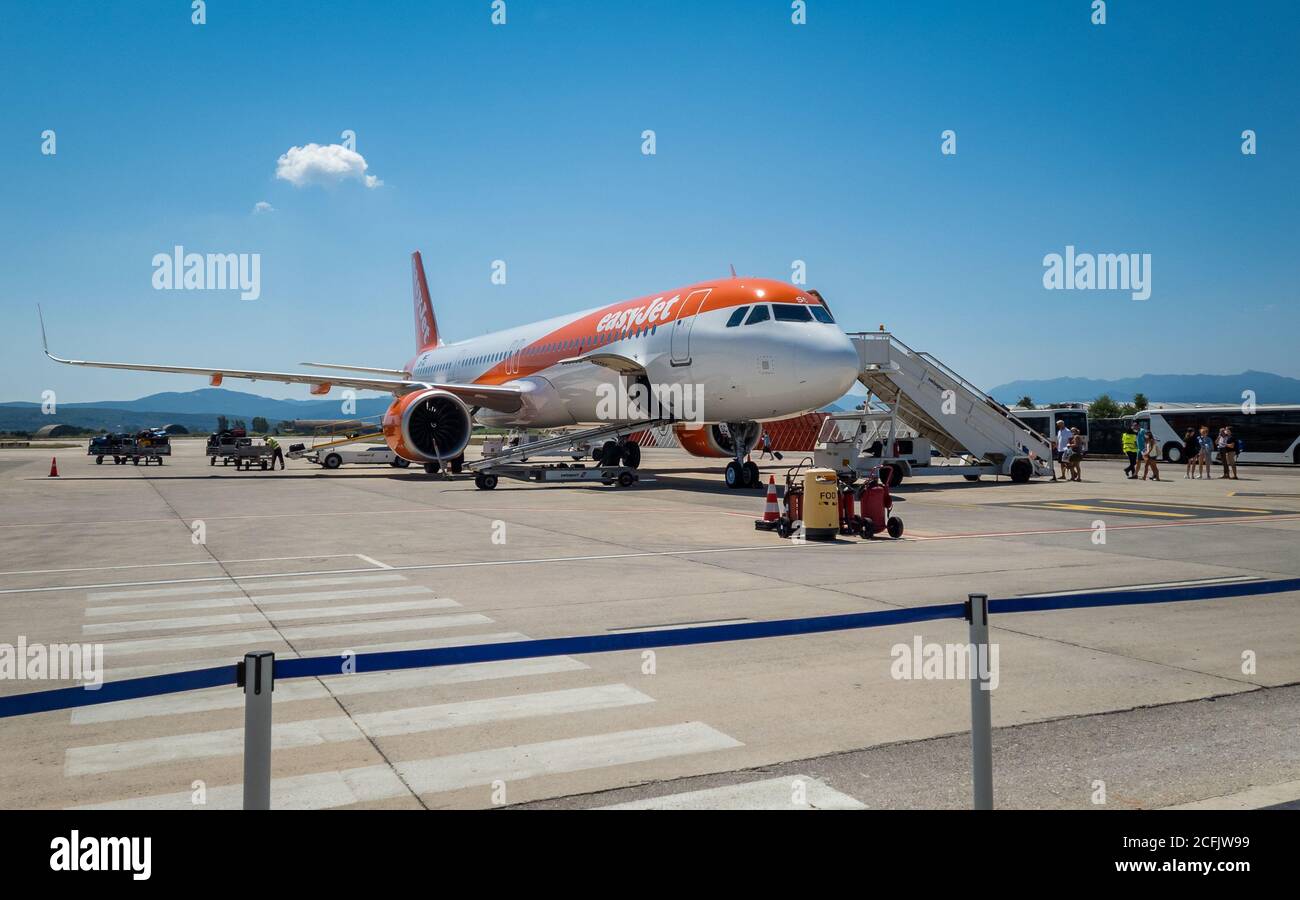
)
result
[(877, 506)]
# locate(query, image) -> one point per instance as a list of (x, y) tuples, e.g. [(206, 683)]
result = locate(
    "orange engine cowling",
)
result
[(427, 426), (711, 440)]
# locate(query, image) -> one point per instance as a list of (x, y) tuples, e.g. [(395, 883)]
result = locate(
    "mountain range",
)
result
[(197, 410), (1268, 388)]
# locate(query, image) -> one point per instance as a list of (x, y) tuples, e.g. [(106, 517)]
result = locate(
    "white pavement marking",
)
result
[(373, 561), (197, 562), (1229, 579), (122, 755), (449, 773), (296, 632), (260, 618), (295, 689), (770, 793), (322, 790), (369, 784), (648, 554), (239, 599), (226, 584), (461, 640), (678, 626)]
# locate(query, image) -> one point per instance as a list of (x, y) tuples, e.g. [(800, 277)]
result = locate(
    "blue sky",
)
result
[(775, 142)]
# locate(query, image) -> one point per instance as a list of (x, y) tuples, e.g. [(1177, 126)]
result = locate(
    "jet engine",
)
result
[(427, 426), (715, 440)]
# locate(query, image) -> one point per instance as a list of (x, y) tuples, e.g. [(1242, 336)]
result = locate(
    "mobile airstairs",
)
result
[(934, 422)]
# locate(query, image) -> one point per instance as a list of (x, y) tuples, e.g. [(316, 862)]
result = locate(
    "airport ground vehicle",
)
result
[(150, 445), (223, 445), (335, 456), (1269, 434)]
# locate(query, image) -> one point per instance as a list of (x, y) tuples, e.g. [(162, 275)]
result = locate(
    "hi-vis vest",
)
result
[(1130, 442)]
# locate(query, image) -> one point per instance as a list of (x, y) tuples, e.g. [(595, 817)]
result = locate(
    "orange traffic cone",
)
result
[(771, 509), (54, 468)]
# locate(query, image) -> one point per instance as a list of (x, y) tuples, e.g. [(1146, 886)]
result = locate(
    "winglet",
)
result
[(733, 270), (45, 344)]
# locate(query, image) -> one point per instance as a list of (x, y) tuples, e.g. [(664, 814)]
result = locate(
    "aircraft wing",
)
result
[(495, 397)]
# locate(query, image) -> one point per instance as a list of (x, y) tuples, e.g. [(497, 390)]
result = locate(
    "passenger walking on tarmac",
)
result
[(1129, 441), (1149, 458), (1062, 452), (1075, 452), (1203, 458), (766, 443), (1191, 451), (276, 452), (1227, 452)]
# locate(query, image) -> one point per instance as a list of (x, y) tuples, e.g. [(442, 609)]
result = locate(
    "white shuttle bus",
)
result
[(1270, 434)]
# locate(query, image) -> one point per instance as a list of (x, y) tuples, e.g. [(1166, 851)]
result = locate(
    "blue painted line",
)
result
[(315, 666)]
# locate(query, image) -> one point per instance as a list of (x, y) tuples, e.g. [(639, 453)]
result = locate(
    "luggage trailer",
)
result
[(610, 466)]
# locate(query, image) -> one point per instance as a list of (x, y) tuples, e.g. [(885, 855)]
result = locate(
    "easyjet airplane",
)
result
[(750, 350)]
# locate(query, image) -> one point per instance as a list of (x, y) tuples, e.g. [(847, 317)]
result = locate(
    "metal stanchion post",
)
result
[(981, 716), (257, 678)]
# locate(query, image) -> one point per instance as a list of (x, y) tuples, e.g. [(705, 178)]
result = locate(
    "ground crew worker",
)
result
[(1130, 445), (276, 452)]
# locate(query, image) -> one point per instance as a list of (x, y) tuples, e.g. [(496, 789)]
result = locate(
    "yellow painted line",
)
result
[(1193, 506), (1116, 509)]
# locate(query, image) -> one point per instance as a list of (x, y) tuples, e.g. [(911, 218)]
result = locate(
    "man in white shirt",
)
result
[(1063, 436)]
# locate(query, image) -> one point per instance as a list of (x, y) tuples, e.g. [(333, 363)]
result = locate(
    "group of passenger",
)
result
[(1198, 450)]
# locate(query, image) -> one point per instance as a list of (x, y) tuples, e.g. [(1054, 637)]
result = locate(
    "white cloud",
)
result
[(261, 206), (328, 164)]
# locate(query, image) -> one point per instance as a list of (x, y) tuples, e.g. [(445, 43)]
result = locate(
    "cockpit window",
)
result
[(737, 317), (822, 314), (789, 312), (759, 314)]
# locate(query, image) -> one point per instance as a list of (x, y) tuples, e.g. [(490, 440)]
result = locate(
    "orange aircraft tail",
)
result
[(426, 325)]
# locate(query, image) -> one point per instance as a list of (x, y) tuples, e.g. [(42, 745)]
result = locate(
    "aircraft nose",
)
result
[(835, 360)]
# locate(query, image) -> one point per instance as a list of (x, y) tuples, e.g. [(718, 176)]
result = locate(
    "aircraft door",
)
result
[(684, 324)]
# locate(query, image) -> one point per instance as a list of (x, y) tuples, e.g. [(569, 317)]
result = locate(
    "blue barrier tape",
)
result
[(112, 691), (67, 698), (604, 643), (1150, 595)]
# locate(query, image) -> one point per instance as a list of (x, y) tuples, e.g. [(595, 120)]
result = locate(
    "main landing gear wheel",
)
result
[(733, 474), (750, 474), (485, 482), (631, 455), (432, 468)]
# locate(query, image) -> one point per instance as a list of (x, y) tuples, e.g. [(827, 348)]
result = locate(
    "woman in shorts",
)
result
[(1149, 454), (1191, 452)]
